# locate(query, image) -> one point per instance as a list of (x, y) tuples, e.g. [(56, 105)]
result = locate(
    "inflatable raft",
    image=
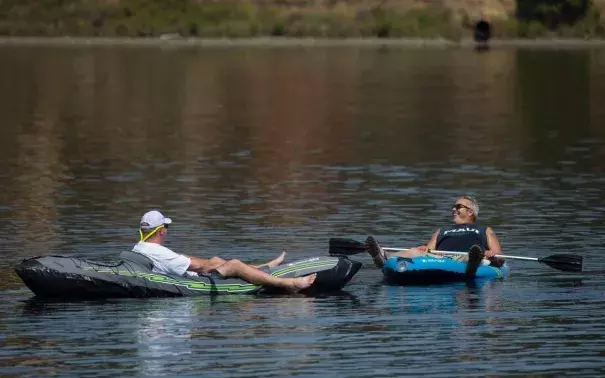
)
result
[(424, 270), (68, 277)]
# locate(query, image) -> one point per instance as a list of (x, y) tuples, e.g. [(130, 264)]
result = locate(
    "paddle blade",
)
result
[(564, 262), (345, 247)]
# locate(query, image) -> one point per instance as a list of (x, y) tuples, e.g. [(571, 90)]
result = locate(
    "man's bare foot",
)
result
[(300, 283), (278, 260), (273, 263)]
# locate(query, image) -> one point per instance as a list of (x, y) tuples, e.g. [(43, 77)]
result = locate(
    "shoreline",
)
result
[(177, 41)]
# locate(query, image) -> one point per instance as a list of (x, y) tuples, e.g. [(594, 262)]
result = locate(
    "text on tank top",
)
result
[(461, 237)]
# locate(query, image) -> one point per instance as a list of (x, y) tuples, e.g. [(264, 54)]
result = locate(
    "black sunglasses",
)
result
[(459, 206)]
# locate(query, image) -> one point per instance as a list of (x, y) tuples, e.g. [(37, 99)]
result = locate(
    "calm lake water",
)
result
[(255, 149)]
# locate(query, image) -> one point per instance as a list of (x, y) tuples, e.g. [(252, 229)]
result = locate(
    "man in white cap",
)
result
[(153, 230)]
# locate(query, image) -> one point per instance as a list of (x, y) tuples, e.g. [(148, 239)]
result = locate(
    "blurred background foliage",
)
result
[(292, 18)]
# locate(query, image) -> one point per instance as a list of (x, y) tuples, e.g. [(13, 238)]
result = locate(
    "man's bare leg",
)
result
[(275, 262), (213, 263), (236, 268), (412, 252)]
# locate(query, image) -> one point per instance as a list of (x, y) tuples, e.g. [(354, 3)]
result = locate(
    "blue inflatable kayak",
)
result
[(424, 270)]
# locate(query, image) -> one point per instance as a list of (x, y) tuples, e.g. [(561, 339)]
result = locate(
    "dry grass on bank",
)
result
[(242, 19)]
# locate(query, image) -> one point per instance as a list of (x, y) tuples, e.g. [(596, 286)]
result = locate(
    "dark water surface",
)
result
[(251, 150)]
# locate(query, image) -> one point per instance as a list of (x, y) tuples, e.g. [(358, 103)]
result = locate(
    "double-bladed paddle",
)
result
[(563, 262)]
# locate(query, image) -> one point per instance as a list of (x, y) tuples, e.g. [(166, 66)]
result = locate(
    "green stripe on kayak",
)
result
[(204, 286), (311, 264), (193, 285)]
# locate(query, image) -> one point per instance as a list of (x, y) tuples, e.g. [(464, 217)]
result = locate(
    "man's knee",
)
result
[(230, 267), (234, 263), (217, 261)]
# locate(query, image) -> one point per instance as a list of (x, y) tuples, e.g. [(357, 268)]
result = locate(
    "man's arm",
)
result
[(493, 244), (432, 244), (204, 265)]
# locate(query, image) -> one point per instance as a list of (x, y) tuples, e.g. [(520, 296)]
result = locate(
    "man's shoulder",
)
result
[(145, 246)]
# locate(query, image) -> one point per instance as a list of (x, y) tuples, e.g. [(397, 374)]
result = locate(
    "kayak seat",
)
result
[(137, 258)]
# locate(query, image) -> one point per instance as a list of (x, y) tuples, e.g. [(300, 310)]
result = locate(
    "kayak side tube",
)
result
[(424, 270)]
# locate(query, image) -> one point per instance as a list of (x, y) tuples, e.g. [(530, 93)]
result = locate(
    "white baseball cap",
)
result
[(153, 219)]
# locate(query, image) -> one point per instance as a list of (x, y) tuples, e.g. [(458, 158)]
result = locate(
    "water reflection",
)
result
[(445, 299), (215, 139), (253, 150), (208, 330)]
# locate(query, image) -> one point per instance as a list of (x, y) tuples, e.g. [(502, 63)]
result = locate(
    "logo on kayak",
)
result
[(438, 260), (297, 263)]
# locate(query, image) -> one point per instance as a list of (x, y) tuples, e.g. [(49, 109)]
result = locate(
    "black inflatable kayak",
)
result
[(68, 277)]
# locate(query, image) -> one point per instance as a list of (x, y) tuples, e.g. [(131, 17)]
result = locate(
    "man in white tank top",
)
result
[(153, 230)]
